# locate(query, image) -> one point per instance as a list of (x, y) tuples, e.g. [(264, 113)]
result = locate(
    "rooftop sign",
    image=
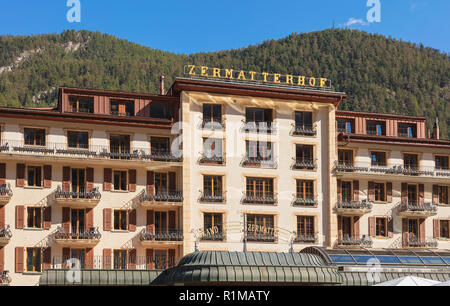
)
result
[(257, 77)]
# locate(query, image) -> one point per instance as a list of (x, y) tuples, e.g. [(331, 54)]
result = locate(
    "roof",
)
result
[(341, 113), (217, 267)]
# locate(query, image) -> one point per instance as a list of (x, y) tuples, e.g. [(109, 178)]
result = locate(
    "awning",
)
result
[(251, 268)]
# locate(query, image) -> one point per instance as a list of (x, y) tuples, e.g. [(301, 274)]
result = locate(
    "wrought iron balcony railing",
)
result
[(304, 164), (163, 156), (305, 200), (362, 205), (5, 279), (348, 240), (212, 159), (6, 232), (415, 206), (168, 235), (265, 199), (306, 130), (169, 196), (260, 127), (92, 195), (348, 166), (212, 198), (259, 162), (121, 114), (260, 237), (302, 238), (213, 237), (91, 234), (215, 124), (6, 191), (416, 242)]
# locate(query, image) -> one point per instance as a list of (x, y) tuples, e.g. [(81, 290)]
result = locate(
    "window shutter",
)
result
[(422, 233), (355, 190), (66, 219), (47, 258), (172, 220), (2, 217), (436, 229), (404, 193), (2, 174), (421, 194), (66, 257), (150, 221), (107, 178), (132, 259), (2, 259), (132, 180), (132, 220), (66, 179), (89, 218), (20, 175), (47, 176), (390, 227), (171, 258), (389, 192), (89, 179), (372, 226), (340, 233), (356, 227), (107, 222), (20, 252), (89, 258), (107, 253), (371, 192), (47, 217), (149, 259), (172, 181), (405, 232), (435, 194), (339, 190), (20, 216), (150, 182)]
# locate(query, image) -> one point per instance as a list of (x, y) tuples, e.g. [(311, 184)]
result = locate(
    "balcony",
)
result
[(5, 194), (260, 237), (216, 124), (308, 200), (173, 237), (427, 243), (211, 160), (213, 237), (306, 130), (161, 156), (354, 208), (170, 198), (5, 279), (207, 197), (350, 241), (415, 209), (348, 166), (260, 199), (258, 162), (259, 127), (301, 238), (77, 199), (5, 235), (305, 164), (86, 239)]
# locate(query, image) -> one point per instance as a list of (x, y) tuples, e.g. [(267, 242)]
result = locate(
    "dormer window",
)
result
[(377, 128), (346, 126), (122, 108), (81, 105), (407, 130), (161, 111)]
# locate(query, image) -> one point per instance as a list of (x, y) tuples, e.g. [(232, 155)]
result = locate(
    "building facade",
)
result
[(125, 181)]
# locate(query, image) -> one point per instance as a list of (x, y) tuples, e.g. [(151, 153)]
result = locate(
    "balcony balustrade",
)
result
[(357, 208), (306, 130), (302, 238), (5, 194), (163, 236), (78, 198), (349, 241), (259, 162), (308, 200), (5, 279), (267, 198), (415, 209), (215, 124), (212, 159), (213, 237), (161, 198), (415, 242), (88, 238), (260, 237), (5, 235), (259, 127), (304, 164), (208, 197)]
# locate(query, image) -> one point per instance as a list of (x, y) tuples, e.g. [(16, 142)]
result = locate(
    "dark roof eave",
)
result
[(418, 142), (378, 115)]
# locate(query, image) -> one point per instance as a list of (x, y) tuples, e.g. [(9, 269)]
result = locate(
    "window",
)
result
[(212, 226), (260, 228), (305, 190), (380, 192), (442, 162), (34, 175), (34, 217), (304, 157), (161, 111), (347, 194), (80, 255), (381, 227), (304, 120), (412, 194), (34, 137), (345, 126), (120, 220), (78, 140), (212, 186), (305, 226), (259, 188), (411, 161), (120, 259), (376, 128), (161, 259), (78, 221), (212, 113), (378, 159), (78, 180), (33, 259), (120, 144), (443, 195), (345, 157), (413, 230), (259, 151), (212, 147), (407, 130), (122, 108), (161, 224), (120, 180), (258, 119), (348, 224), (444, 229), (160, 145), (161, 183), (81, 105)]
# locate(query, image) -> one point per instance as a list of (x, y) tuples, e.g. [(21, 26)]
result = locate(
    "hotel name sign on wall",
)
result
[(257, 77)]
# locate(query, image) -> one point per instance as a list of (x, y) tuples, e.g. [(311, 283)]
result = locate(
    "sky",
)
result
[(190, 26)]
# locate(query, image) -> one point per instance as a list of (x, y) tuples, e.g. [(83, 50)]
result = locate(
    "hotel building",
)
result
[(126, 181)]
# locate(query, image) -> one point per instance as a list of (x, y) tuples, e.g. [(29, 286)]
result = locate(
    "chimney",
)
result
[(429, 134), (436, 129), (161, 86)]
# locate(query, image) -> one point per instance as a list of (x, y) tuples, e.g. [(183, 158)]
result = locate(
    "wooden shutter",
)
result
[(436, 228), (404, 192), (150, 182), (172, 258), (339, 190), (389, 192), (390, 227), (66, 219), (20, 175), (355, 190), (107, 179), (20, 253), (436, 194), (89, 179), (107, 254), (132, 180), (340, 233), (132, 258), (149, 259), (172, 220), (150, 221), (47, 217), (356, 227), (422, 233), (2, 259), (421, 194), (132, 220), (65, 257), (89, 259), (172, 181), (107, 222), (2, 174), (47, 176), (47, 258), (372, 227), (371, 192), (405, 232), (20, 217), (66, 179), (2, 217), (89, 218)]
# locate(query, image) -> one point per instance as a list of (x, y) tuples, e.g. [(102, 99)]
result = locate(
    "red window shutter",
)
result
[(66, 257), (371, 192), (47, 217), (436, 228), (66, 219), (405, 232), (47, 176), (2, 217), (421, 194), (20, 217), (150, 182), (66, 179), (404, 192), (132, 258), (132, 220), (20, 253), (90, 259), (372, 226), (390, 227), (89, 218), (47, 258), (150, 221), (149, 259), (339, 190), (172, 181), (20, 175), (389, 192), (132, 180), (356, 227), (172, 261), (107, 178), (435, 194), (340, 233), (355, 190), (172, 220), (2, 259), (107, 222), (422, 233), (89, 179), (107, 254), (2, 174)]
